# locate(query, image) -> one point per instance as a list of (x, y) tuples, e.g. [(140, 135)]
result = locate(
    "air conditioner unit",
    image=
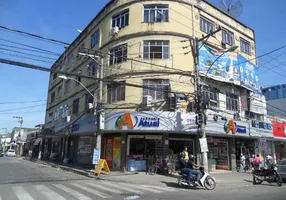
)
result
[(68, 118), (147, 101), (114, 30)]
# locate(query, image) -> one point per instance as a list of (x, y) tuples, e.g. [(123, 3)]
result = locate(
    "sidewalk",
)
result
[(222, 177)]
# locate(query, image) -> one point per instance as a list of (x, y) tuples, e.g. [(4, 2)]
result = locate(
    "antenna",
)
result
[(231, 7)]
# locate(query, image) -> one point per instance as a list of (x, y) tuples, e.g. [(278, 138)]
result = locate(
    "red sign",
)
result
[(279, 129), (109, 151)]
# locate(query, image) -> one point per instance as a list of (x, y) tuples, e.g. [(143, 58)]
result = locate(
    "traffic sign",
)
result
[(263, 143)]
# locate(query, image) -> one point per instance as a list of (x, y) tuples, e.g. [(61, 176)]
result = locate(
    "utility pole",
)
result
[(19, 135), (201, 105)]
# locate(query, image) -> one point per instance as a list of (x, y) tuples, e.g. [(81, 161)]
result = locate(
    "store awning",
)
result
[(38, 140)]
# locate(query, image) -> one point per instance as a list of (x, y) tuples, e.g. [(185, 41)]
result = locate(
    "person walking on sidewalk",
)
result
[(242, 162)]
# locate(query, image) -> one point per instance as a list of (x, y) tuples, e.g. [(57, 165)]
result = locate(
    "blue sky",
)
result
[(61, 19)]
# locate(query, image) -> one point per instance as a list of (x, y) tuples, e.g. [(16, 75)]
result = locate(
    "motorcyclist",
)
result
[(189, 168)]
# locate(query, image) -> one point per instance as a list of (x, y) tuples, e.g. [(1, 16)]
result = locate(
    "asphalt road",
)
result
[(25, 180)]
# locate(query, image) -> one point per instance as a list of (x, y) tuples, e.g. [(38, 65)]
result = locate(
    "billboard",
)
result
[(229, 67)]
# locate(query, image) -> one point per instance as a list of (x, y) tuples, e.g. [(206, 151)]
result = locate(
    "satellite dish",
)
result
[(231, 7)]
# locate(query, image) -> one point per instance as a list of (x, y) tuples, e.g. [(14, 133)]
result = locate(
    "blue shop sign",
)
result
[(149, 122), (261, 125)]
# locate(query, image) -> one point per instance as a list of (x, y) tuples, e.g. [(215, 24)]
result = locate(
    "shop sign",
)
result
[(85, 125), (141, 121), (231, 126), (189, 122), (279, 129), (258, 128)]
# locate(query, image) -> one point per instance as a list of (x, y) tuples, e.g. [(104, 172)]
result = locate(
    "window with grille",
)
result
[(245, 46), (227, 37), (118, 54), (232, 102), (65, 111), (158, 89), (206, 25), (116, 92), (53, 95), (156, 13), (59, 91), (156, 49), (92, 69), (75, 107), (88, 100), (121, 20), (50, 117), (211, 96), (67, 86)]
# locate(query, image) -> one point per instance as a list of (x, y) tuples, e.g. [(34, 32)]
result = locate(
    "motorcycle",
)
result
[(206, 180), (270, 175)]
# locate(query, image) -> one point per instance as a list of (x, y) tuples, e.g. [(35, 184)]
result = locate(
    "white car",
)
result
[(10, 152)]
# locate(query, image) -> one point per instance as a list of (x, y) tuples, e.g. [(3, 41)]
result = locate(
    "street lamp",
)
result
[(231, 49), (66, 78)]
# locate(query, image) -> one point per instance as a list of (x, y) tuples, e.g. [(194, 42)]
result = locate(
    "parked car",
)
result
[(10, 152), (281, 165)]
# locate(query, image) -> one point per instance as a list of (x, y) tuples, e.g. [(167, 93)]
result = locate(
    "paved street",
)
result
[(25, 180)]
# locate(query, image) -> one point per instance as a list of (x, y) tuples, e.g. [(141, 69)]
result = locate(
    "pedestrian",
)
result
[(184, 154), (242, 162), (257, 161)]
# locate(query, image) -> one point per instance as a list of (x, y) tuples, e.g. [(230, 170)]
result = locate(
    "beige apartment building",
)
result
[(148, 85)]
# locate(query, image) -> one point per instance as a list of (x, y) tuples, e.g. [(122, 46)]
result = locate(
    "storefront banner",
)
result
[(189, 122), (260, 129), (85, 125), (141, 121), (227, 127), (229, 67), (279, 130), (109, 151), (257, 103), (116, 152)]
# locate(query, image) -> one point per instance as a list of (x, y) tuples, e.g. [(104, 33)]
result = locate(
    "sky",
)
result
[(61, 19)]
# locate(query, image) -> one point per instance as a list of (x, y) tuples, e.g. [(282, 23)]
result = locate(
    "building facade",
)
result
[(148, 85)]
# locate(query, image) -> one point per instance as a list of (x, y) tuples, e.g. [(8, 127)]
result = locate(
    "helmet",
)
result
[(191, 157)]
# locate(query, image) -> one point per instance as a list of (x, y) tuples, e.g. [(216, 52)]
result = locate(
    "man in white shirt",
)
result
[(242, 162)]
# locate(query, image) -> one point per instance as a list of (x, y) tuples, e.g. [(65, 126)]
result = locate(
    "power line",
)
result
[(27, 54), (16, 113), (19, 102), (21, 108), (25, 57), (32, 47), (14, 47)]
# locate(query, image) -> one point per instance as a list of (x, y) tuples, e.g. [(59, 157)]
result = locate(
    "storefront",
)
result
[(222, 134), (279, 133), (150, 137), (263, 133)]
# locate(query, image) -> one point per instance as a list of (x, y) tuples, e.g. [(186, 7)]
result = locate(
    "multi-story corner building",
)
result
[(148, 85)]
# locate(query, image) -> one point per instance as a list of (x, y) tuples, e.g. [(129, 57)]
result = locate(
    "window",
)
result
[(211, 96), (53, 95), (57, 114), (227, 37), (154, 49), (78, 81), (118, 54), (61, 67), (88, 99), (206, 25), (245, 46), (94, 40), (121, 20), (50, 117), (75, 106), (231, 102), (81, 49), (92, 69), (67, 86), (59, 91), (65, 111), (156, 88), (70, 60), (116, 92), (54, 76), (156, 14)]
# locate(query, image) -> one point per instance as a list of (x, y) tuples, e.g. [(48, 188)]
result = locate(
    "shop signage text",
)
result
[(231, 126), (131, 121), (258, 128), (262, 125)]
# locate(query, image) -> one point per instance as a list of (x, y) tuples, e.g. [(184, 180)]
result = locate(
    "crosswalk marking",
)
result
[(123, 188), (109, 189), (48, 193), (139, 187), (72, 192), (169, 189), (102, 195), (21, 193)]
